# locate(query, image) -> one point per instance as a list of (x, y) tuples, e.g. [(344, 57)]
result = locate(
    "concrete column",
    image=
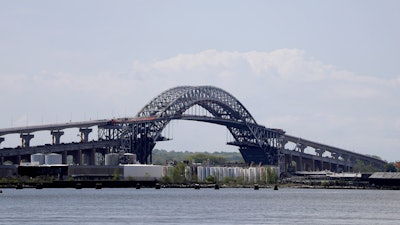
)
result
[(79, 157), (287, 163), (85, 134), (64, 157), (313, 164), (346, 160), (56, 136), (319, 152), (26, 139), (1, 158), (301, 147), (301, 168), (92, 157), (335, 155)]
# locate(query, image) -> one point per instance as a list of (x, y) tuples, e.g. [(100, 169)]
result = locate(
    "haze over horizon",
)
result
[(326, 71)]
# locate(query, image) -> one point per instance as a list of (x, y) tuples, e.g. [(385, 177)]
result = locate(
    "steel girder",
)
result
[(172, 103)]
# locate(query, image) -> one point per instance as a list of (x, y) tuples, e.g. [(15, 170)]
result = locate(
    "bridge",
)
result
[(257, 144)]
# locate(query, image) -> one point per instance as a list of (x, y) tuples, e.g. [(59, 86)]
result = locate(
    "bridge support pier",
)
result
[(79, 158), (88, 157), (313, 164), (85, 134), (64, 157), (26, 139), (300, 166), (319, 152), (56, 135), (346, 159)]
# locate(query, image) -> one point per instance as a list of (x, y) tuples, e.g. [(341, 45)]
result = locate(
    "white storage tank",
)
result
[(112, 159), (37, 158), (52, 159)]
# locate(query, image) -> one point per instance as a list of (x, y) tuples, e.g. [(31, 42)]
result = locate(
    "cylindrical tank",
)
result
[(112, 159), (37, 158), (53, 158), (130, 158)]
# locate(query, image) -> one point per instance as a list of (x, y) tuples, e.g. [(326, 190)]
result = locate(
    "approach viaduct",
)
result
[(139, 134)]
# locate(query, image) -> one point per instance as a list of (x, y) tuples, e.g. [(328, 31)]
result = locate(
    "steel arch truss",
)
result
[(148, 124)]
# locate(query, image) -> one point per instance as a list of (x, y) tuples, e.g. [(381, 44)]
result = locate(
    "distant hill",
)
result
[(161, 157)]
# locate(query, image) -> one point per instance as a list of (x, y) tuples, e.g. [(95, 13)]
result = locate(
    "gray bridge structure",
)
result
[(257, 144)]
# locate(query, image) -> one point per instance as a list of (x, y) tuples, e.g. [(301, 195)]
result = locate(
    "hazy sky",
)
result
[(327, 71)]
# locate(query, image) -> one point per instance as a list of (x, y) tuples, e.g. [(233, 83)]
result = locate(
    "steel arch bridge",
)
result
[(138, 135)]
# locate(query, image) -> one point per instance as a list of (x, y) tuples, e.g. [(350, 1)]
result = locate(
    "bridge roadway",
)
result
[(339, 157), (336, 152), (52, 127), (58, 148)]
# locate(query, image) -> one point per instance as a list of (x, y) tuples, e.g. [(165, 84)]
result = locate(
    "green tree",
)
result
[(211, 180), (160, 157), (116, 175), (178, 173), (166, 179), (361, 167), (390, 167), (272, 177)]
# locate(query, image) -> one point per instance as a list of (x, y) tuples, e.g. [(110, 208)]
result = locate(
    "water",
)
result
[(204, 206)]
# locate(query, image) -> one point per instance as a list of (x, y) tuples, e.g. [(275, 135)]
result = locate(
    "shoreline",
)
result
[(99, 184)]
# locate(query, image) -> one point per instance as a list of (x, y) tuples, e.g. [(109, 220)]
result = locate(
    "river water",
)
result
[(204, 206)]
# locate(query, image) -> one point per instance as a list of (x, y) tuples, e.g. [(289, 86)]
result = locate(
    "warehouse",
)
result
[(391, 179)]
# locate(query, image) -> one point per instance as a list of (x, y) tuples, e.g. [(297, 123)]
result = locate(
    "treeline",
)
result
[(162, 157)]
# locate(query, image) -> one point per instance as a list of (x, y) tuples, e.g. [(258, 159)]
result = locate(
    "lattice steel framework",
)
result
[(140, 134)]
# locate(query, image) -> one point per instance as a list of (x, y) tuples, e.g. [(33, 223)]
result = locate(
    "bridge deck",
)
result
[(51, 127)]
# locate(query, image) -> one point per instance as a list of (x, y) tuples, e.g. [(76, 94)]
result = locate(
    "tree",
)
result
[(390, 167), (206, 157), (211, 180), (362, 167), (178, 173), (272, 177)]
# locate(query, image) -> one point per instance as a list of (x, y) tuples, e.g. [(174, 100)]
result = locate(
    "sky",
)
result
[(326, 71)]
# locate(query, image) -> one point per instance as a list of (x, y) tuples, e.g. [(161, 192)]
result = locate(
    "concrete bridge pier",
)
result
[(347, 160), (313, 164), (93, 157), (77, 155), (336, 161), (85, 134), (26, 139), (319, 152), (301, 148), (1, 158), (64, 155), (56, 135), (88, 157)]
